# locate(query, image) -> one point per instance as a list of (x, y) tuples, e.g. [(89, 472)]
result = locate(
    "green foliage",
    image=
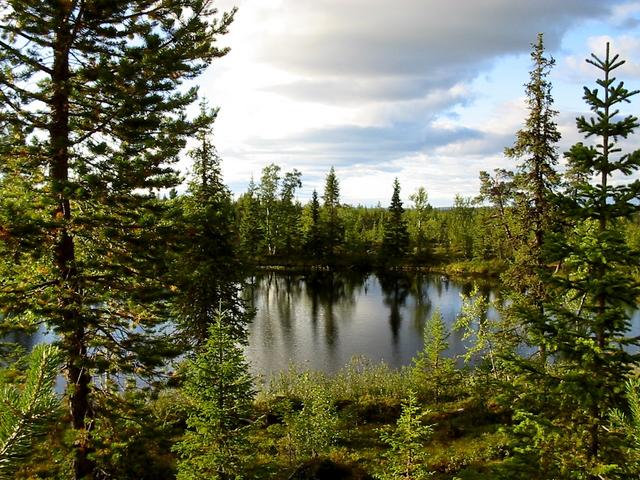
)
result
[(535, 144), (431, 371), (312, 430), (207, 267), (420, 229), (94, 96), (331, 213), (135, 432), (478, 329), (311, 227), (395, 242), (460, 229), (499, 191), (406, 457), (629, 425), (250, 229), (219, 391), (585, 323), (278, 215), (28, 410)]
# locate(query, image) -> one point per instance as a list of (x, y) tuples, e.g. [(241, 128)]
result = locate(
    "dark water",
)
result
[(321, 320)]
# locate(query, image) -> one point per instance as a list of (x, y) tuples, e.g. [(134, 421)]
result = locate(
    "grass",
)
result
[(467, 442)]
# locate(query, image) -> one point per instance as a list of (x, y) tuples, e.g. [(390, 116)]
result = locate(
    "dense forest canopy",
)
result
[(144, 292)]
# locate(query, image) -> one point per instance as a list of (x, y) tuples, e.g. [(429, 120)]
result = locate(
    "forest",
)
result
[(141, 282)]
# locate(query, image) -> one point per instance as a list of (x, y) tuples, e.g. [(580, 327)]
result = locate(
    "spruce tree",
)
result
[(431, 370), (210, 274), (333, 228), (313, 238), (395, 242), (219, 392), (406, 457), (535, 145), (522, 201), (92, 93), (563, 426), (535, 182)]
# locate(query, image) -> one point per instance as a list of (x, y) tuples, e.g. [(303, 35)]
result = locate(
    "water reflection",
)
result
[(322, 319)]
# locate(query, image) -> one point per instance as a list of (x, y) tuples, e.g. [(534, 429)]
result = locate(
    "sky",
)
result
[(428, 91)]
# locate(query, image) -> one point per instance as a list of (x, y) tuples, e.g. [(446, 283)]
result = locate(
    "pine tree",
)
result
[(396, 236), (313, 238), (219, 391), (431, 371), (535, 182), (407, 456), (629, 425), (535, 144), (26, 411), (522, 201), (93, 95)]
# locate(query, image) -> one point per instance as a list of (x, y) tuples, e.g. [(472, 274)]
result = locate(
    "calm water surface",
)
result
[(321, 320)]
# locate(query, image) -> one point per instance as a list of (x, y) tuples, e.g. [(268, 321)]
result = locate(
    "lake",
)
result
[(321, 320)]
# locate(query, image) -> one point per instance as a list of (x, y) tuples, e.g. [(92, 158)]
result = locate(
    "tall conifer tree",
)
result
[(331, 205), (535, 181), (563, 423), (396, 236), (210, 272), (91, 93)]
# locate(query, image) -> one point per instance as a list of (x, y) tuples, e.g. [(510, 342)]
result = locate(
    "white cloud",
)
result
[(370, 86)]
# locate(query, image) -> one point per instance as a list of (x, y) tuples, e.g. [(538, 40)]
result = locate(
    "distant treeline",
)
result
[(276, 229)]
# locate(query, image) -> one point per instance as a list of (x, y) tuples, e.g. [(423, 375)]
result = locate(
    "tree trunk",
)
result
[(69, 294)]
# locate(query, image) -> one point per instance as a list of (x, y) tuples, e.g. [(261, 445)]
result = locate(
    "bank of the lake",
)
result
[(438, 264)]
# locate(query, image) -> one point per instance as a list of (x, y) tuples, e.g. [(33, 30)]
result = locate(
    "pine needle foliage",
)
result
[(331, 221), (406, 456), (27, 410), (395, 242), (209, 272), (431, 371), (219, 392), (563, 423), (92, 96), (626, 420)]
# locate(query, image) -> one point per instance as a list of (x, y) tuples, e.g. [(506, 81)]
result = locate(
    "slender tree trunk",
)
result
[(69, 296)]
